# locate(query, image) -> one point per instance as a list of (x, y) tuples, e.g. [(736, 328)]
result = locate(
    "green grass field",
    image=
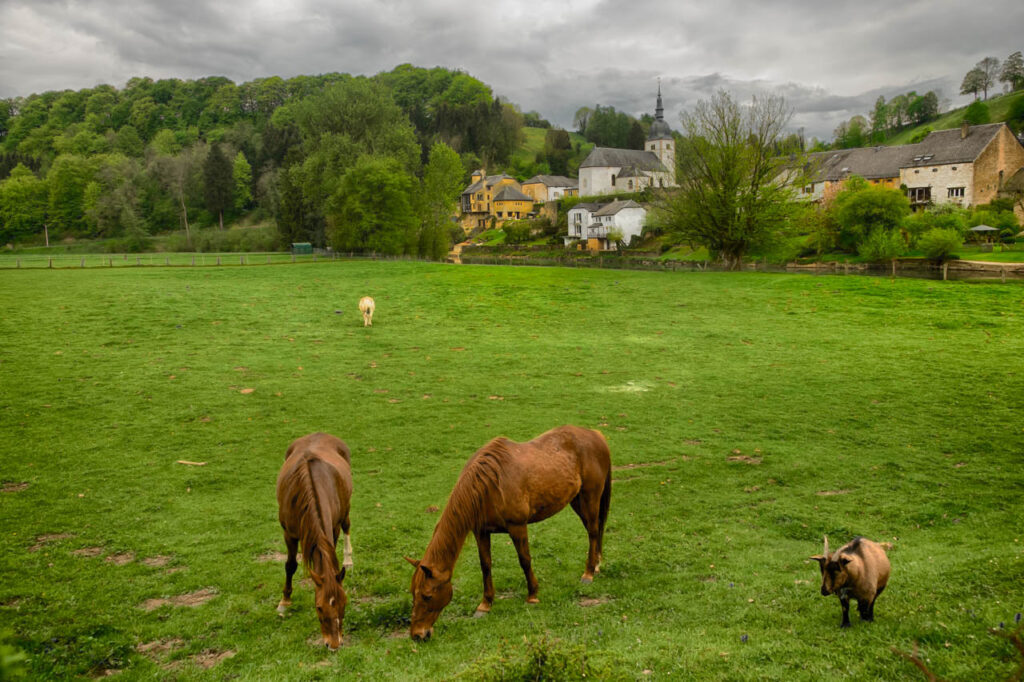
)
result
[(747, 415)]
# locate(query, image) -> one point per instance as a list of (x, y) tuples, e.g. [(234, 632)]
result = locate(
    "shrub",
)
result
[(939, 244), (881, 245), (517, 231)]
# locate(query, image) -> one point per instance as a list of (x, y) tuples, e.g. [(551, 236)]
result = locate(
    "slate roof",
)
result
[(491, 180), (630, 172), (616, 206), (552, 181), (587, 205), (941, 147), (509, 193), (620, 158)]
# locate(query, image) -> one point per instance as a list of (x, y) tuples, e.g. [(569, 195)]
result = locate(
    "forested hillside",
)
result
[(354, 162)]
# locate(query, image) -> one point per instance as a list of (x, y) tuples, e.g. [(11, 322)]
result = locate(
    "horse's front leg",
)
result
[(483, 546), (289, 570), (346, 561), (522, 545)]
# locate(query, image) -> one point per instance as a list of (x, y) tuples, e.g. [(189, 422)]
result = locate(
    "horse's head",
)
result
[(431, 592), (330, 606)]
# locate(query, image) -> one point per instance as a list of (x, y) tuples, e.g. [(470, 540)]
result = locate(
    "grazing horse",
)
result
[(366, 307), (313, 492), (503, 487)]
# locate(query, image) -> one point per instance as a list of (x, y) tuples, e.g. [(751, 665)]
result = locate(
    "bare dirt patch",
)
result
[(88, 552), (623, 480), (158, 648), (693, 441), (191, 599), (398, 634), (826, 493), (593, 601), (209, 658), (642, 465), (267, 557), (432, 509), (13, 487), (156, 561), (43, 540), (746, 459), (121, 559)]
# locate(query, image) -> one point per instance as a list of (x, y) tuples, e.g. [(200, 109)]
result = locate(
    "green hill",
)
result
[(998, 107), (524, 159)]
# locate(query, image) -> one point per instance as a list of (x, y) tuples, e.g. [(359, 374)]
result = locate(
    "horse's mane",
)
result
[(479, 482), (312, 535)]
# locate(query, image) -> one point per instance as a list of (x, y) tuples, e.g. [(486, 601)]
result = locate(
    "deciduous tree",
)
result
[(730, 199), (242, 173), (1013, 71)]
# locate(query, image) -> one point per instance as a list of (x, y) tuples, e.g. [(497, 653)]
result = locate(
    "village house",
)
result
[(966, 166), (491, 200), (609, 171), (544, 188), (589, 224)]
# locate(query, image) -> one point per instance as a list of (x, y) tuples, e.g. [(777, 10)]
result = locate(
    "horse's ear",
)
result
[(426, 571), (415, 562), (341, 575)]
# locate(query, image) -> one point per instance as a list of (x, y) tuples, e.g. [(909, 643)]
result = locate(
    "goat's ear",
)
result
[(844, 561), (819, 558)]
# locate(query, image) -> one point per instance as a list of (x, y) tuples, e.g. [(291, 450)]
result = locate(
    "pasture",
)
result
[(747, 415)]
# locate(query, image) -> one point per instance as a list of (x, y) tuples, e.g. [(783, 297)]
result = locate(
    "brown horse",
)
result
[(313, 492), (503, 487)]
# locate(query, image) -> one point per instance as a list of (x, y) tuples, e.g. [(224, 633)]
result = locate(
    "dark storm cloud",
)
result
[(553, 57)]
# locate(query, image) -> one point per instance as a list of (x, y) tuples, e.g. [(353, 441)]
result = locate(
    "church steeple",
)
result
[(659, 110)]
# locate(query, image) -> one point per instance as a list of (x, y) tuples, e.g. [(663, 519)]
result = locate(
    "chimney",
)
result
[(965, 128)]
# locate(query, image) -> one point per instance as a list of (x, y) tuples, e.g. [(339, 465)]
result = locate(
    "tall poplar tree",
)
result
[(218, 183)]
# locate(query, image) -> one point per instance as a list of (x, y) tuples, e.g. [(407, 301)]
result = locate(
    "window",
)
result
[(955, 192), (631, 184), (613, 179), (652, 147), (919, 195)]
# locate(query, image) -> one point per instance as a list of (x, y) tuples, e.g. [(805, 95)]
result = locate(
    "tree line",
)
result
[(359, 163)]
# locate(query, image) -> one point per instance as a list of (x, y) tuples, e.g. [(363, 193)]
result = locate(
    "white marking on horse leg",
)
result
[(347, 556)]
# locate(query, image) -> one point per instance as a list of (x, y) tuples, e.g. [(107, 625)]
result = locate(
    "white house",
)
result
[(590, 223)]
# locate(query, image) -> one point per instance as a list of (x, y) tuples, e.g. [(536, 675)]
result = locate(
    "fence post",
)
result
[(1002, 273), (241, 260), (51, 263), (945, 267), (83, 262), (193, 260), (218, 260), (167, 260), (19, 263), (268, 259), (293, 257)]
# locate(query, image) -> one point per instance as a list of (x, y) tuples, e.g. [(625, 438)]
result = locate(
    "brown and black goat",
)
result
[(857, 570)]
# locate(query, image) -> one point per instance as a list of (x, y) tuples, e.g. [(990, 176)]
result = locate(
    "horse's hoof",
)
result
[(587, 579), (532, 600), (480, 613)]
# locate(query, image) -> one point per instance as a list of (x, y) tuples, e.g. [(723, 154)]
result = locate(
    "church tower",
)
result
[(661, 143)]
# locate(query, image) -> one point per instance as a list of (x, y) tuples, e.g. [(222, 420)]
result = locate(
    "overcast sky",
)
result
[(830, 60)]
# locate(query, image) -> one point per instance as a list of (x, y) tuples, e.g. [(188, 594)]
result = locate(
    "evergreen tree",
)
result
[(218, 183)]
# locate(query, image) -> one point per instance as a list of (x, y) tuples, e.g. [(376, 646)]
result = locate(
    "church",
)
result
[(611, 171)]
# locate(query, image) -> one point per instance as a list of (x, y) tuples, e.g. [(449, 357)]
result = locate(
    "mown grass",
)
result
[(756, 412)]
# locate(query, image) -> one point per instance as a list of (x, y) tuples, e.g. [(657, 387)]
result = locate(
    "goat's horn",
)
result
[(826, 547)]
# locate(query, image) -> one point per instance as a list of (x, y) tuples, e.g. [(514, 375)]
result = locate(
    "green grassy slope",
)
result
[(998, 106), (747, 414)]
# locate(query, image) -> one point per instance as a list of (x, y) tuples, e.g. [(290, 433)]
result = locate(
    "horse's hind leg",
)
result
[(289, 570), (483, 546), (522, 545), (588, 511)]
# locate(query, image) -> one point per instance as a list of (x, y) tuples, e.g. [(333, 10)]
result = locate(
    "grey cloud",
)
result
[(551, 56)]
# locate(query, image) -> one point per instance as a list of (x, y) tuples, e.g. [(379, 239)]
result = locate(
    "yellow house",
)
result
[(544, 188), (492, 198)]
